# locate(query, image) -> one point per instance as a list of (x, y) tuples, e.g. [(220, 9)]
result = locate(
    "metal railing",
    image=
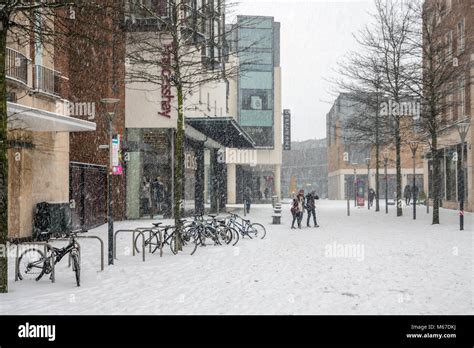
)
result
[(16, 66), (46, 79)]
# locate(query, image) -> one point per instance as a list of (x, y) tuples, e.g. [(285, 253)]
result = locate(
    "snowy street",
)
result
[(367, 263)]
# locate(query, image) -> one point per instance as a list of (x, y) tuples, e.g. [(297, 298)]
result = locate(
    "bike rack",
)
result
[(88, 237), (46, 246), (133, 241)]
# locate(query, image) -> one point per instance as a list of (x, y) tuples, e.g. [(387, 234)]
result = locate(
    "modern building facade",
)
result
[(255, 101), (457, 22), (151, 119), (347, 160), (305, 167)]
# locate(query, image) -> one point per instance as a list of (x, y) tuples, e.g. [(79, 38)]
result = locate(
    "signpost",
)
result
[(286, 130)]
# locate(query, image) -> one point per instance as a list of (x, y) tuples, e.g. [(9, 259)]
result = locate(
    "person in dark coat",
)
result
[(247, 199), (294, 211), (407, 194), (415, 193), (371, 197), (311, 208)]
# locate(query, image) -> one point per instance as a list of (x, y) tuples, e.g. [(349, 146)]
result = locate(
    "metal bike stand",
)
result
[(46, 246), (133, 241), (145, 229), (101, 249), (115, 241)]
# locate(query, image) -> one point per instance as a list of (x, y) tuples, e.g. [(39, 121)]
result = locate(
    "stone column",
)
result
[(277, 179), (231, 184)]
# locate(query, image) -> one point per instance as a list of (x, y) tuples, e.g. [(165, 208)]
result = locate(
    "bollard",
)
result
[(348, 207)]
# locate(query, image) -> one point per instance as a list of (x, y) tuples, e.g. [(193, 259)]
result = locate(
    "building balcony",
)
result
[(16, 66), (46, 80)]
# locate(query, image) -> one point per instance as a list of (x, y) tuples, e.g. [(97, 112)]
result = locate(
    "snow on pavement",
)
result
[(368, 263)]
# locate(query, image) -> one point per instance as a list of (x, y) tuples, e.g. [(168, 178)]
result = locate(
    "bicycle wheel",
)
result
[(76, 267), (257, 231), (235, 235), (154, 242), (225, 235), (188, 244), (31, 264)]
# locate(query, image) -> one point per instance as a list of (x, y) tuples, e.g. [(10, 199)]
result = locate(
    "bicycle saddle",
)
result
[(212, 215), (157, 224)]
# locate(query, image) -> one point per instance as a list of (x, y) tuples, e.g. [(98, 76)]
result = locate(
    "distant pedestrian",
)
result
[(266, 192), (296, 210), (311, 208), (415, 194), (247, 199), (371, 197), (407, 194)]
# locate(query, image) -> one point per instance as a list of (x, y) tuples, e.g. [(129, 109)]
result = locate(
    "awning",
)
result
[(37, 120), (225, 130)]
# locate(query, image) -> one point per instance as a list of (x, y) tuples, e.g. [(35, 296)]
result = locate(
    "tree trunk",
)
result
[(377, 154), (179, 160), (398, 146), (436, 178), (3, 163)]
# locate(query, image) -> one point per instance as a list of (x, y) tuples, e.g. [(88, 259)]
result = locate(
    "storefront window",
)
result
[(450, 163)]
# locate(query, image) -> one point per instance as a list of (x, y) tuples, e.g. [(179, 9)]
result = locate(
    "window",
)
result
[(256, 99), (462, 36)]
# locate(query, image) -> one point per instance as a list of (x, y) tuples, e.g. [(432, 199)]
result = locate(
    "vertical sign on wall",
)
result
[(286, 130)]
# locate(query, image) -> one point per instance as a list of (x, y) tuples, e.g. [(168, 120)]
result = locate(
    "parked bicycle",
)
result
[(34, 264), (159, 236), (246, 227)]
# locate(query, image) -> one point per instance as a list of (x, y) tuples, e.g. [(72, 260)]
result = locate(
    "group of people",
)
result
[(410, 192), (302, 203)]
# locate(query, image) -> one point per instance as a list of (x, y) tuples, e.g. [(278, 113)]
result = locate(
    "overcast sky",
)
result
[(315, 34)]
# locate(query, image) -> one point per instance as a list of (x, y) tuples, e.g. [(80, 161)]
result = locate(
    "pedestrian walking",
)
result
[(311, 208), (407, 194), (247, 199), (371, 197), (297, 209), (415, 193)]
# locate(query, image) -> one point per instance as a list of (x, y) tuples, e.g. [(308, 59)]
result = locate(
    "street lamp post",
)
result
[(463, 128), (385, 163), (110, 105), (355, 184), (414, 148), (367, 160)]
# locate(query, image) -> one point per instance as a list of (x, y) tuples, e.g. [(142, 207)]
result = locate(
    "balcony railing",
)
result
[(46, 80), (16, 66)]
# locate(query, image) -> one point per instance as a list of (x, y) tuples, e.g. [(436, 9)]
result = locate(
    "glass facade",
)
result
[(256, 81), (149, 172)]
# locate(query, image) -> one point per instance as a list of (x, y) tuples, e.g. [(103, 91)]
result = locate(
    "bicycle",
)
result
[(34, 264), (188, 242), (245, 227)]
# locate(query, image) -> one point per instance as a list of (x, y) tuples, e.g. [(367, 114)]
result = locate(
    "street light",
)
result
[(414, 148), (367, 161), (355, 184), (110, 105), (463, 128), (385, 163)]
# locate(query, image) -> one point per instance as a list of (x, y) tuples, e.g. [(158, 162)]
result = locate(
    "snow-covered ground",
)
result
[(368, 263)]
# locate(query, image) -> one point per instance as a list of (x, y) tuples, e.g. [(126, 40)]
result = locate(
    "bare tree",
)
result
[(389, 38), (362, 78)]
